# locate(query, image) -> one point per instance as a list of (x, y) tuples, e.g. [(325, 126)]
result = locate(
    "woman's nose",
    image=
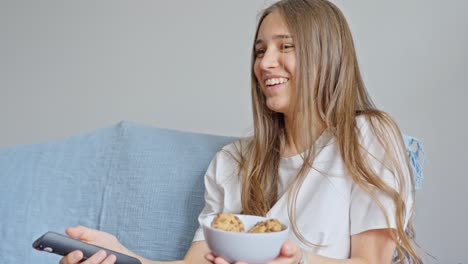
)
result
[(269, 60)]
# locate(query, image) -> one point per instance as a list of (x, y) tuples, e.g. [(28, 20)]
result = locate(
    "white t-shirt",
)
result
[(330, 207)]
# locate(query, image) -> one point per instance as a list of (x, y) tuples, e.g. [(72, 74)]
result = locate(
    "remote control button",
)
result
[(48, 249)]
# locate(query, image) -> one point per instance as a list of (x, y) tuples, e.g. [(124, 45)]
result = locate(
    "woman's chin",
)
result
[(276, 106)]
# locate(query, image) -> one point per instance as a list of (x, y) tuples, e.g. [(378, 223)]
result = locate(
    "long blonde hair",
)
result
[(328, 86)]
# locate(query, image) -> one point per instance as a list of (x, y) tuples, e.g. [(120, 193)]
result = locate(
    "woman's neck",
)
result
[(296, 138)]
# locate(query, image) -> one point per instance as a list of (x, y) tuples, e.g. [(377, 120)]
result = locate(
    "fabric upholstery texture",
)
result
[(141, 183)]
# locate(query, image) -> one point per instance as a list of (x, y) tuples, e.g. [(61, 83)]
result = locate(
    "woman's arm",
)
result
[(370, 247), (195, 254)]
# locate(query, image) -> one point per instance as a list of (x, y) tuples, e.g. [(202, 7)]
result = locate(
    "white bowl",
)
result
[(252, 248)]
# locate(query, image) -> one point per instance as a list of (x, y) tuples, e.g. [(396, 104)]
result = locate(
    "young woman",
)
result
[(322, 158)]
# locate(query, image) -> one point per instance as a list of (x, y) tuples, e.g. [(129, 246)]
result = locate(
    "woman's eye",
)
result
[(259, 52), (286, 47)]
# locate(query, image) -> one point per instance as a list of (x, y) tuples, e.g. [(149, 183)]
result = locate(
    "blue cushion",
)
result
[(143, 184), (415, 151)]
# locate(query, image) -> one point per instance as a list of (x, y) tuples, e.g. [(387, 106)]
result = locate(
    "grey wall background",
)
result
[(68, 67)]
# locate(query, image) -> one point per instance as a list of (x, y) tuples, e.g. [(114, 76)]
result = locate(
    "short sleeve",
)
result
[(220, 175), (365, 213), (213, 196)]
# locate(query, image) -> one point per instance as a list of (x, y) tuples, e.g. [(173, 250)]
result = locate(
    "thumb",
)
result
[(81, 233), (289, 249)]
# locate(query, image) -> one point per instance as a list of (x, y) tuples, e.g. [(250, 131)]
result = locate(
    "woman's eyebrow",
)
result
[(279, 36)]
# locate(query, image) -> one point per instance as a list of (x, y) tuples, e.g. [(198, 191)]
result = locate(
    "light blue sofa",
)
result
[(143, 184)]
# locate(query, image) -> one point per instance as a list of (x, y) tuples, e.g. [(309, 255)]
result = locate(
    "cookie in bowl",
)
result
[(267, 226), (228, 222), (244, 246)]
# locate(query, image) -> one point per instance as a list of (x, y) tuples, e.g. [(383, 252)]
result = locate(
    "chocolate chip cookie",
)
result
[(228, 222), (268, 226)]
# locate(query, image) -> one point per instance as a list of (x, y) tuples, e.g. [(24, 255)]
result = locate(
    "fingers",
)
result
[(99, 258), (82, 233), (214, 259), (210, 257), (219, 260), (289, 249), (289, 253), (72, 258), (109, 260)]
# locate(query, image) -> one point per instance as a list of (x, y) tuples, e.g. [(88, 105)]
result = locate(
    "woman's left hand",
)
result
[(290, 253)]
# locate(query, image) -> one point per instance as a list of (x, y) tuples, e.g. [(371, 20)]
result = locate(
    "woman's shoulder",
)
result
[(238, 146), (225, 164), (233, 151), (379, 135), (366, 121), (376, 125)]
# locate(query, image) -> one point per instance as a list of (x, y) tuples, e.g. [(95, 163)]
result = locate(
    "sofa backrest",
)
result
[(140, 183)]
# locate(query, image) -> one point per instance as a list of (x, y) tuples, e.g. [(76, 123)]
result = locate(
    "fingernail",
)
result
[(76, 256), (101, 253), (112, 258)]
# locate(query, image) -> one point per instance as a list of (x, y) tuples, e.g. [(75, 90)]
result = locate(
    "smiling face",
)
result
[(275, 62)]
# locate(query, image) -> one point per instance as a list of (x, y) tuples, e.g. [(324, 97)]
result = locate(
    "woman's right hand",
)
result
[(95, 237)]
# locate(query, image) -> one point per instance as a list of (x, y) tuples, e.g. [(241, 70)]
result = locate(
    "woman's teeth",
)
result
[(274, 81)]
